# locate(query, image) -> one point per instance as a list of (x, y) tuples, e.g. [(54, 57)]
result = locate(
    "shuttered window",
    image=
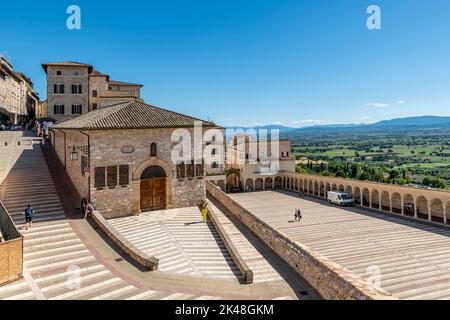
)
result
[(112, 176), (124, 175), (99, 177)]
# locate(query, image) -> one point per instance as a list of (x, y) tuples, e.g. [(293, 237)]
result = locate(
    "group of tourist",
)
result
[(41, 128), (298, 215)]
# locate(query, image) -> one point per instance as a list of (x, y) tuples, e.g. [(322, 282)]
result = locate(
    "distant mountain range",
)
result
[(423, 123)]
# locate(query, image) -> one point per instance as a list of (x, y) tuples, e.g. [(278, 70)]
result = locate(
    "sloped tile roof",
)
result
[(130, 115), (122, 83), (66, 64)]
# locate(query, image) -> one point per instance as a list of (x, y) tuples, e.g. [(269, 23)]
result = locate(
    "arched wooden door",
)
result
[(153, 189)]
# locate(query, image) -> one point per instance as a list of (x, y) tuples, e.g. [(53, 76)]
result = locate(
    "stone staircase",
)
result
[(257, 256), (29, 183)]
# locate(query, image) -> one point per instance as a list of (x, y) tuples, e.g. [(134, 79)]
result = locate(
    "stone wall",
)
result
[(107, 150), (246, 272), (63, 145), (331, 280), (11, 260), (148, 262)]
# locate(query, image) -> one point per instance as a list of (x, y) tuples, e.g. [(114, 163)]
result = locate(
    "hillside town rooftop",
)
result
[(131, 115), (66, 64)]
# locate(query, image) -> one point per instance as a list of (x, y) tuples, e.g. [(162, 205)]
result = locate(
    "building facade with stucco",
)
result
[(121, 158)]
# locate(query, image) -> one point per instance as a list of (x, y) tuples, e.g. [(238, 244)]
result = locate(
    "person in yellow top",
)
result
[(204, 210)]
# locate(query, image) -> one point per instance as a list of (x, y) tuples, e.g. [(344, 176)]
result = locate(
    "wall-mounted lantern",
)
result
[(74, 154)]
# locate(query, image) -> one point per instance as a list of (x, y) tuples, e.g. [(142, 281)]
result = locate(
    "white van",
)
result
[(340, 198)]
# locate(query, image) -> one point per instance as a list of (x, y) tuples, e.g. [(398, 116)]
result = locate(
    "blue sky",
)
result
[(246, 62)]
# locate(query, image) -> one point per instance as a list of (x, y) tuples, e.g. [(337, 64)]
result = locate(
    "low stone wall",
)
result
[(246, 272), (11, 260), (150, 263), (331, 280), (11, 249)]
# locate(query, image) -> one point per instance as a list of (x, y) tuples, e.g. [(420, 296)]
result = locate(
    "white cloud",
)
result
[(377, 104), (401, 102), (366, 118)]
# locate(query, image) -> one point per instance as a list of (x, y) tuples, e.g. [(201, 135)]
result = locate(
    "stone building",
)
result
[(18, 100), (120, 157), (41, 110), (252, 160), (75, 88)]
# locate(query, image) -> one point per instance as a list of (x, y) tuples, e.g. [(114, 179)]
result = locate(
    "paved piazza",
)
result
[(413, 258)]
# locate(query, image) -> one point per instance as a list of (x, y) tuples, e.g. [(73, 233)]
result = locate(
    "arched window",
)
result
[(153, 150), (153, 172), (213, 152)]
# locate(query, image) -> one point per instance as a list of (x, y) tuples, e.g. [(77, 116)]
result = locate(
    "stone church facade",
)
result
[(119, 158)]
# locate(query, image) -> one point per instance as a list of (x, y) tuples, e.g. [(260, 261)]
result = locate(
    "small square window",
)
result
[(58, 73)]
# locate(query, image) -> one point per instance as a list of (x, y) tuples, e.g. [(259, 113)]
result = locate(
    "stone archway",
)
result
[(366, 197), (268, 183), (422, 208), (161, 172), (349, 191), (249, 185), (357, 196), (385, 201), (259, 184), (278, 182), (447, 210), (233, 180), (396, 203), (408, 205), (437, 210), (375, 199)]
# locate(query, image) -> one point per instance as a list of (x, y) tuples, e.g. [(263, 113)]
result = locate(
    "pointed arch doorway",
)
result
[(153, 188)]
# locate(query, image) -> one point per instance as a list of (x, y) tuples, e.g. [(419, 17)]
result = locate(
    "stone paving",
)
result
[(62, 252), (413, 259), (181, 241)]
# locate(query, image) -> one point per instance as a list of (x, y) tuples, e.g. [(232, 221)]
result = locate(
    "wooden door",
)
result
[(159, 193), (153, 194)]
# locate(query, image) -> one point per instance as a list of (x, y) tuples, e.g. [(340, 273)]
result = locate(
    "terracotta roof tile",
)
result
[(130, 115)]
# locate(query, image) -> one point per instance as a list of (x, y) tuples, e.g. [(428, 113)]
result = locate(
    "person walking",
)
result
[(298, 215), (88, 210), (29, 213)]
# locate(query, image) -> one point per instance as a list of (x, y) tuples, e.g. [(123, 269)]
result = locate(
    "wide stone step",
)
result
[(52, 245), (87, 286), (46, 233), (53, 258)]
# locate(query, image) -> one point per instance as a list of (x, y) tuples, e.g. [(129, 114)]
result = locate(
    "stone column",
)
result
[(445, 215), (403, 205), (429, 211)]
